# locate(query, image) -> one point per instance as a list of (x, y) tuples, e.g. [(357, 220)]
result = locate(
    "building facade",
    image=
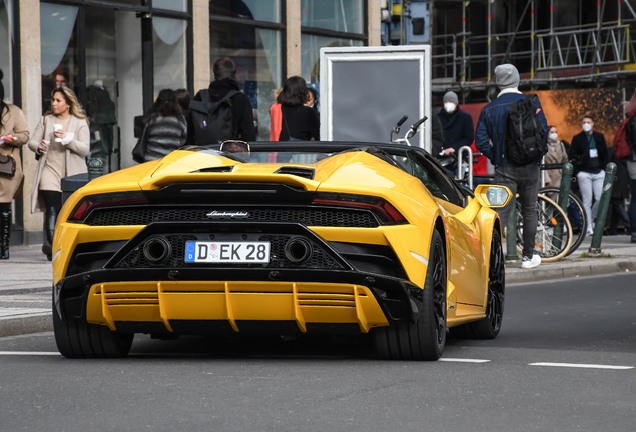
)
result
[(118, 54)]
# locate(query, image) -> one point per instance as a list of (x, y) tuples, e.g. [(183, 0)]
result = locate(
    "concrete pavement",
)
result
[(26, 279)]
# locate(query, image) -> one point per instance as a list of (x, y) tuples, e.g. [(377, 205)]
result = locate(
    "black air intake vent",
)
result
[(217, 169), (307, 173)]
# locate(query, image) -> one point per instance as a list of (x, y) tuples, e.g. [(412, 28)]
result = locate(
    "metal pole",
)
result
[(511, 232), (532, 43), (603, 205), (95, 168), (489, 36), (464, 41), (551, 37)]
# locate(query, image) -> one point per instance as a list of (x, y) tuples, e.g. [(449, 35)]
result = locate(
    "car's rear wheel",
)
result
[(426, 338), (79, 339), (488, 328)]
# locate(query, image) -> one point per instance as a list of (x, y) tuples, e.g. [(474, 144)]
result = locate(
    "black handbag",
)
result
[(291, 138), (139, 152), (7, 164)]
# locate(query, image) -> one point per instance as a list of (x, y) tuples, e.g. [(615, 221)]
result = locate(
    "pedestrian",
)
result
[(589, 152), (459, 130), (617, 216), (630, 111), (521, 178), (239, 125), (14, 134), (61, 141), (437, 135), (312, 98), (183, 98), (166, 128), (557, 154), (297, 121)]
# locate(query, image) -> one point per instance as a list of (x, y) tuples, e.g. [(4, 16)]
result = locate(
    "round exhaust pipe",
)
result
[(298, 250), (157, 250)]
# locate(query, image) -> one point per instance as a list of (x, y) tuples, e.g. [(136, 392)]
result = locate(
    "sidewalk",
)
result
[(25, 280)]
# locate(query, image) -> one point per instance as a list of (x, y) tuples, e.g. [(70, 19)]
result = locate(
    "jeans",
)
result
[(632, 207), (523, 180), (591, 186)]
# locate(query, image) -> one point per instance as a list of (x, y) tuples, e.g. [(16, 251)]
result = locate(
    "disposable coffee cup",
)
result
[(57, 127), (47, 143)]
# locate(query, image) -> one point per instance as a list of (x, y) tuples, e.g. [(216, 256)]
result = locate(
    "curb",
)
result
[(24, 324), (576, 269)]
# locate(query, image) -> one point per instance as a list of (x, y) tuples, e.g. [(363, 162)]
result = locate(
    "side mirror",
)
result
[(493, 196)]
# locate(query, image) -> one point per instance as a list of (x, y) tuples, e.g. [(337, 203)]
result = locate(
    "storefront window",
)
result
[(258, 56), (311, 53), (6, 44), (169, 48), (173, 5), (59, 57), (260, 10), (339, 15)]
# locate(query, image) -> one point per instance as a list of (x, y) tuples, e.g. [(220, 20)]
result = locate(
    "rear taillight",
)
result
[(381, 207), (90, 202)]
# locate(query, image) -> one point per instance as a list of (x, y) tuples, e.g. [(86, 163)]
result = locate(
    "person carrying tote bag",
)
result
[(62, 140), (14, 133)]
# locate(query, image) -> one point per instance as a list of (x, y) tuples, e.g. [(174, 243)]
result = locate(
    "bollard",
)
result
[(603, 205), (95, 168), (564, 200), (511, 234)]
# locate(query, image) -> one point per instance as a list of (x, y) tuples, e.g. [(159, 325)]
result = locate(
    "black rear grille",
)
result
[(319, 259), (306, 216)]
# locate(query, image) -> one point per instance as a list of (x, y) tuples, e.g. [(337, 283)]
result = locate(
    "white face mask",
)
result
[(553, 136), (449, 107), (587, 127)]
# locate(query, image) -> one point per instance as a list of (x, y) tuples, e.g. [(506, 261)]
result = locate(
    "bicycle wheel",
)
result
[(550, 218), (576, 215)]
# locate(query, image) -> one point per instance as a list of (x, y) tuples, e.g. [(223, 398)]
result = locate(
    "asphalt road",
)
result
[(564, 360)]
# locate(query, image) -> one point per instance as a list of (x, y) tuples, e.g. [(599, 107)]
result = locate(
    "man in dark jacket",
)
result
[(224, 71), (459, 130), (589, 151), (522, 179)]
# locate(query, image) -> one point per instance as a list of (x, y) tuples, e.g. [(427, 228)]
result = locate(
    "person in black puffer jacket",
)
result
[(166, 126)]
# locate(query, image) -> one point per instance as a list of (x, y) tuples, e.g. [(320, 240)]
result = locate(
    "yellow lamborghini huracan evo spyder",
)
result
[(283, 239)]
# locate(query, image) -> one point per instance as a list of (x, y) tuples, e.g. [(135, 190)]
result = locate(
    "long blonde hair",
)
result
[(75, 107)]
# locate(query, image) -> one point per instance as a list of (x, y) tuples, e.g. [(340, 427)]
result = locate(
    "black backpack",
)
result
[(524, 141), (212, 121)]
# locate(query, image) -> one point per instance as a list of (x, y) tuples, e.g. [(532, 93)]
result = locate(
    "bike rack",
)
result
[(460, 164)]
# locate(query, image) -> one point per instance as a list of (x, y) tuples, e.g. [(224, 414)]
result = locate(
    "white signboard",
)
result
[(364, 91)]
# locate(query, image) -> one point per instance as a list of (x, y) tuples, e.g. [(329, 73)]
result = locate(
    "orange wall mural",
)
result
[(563, 109)]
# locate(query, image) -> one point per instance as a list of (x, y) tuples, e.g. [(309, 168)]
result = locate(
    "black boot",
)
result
[(5, 233), (50, 218)]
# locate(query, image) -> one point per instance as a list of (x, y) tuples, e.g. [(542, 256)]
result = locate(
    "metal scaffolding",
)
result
[(582, 53)]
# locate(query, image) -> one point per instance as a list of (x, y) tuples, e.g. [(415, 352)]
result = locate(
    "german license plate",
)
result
[(227, 252)]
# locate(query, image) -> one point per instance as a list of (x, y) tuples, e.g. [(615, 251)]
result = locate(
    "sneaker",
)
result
[(529, 263), (633, 239), (590, 232)]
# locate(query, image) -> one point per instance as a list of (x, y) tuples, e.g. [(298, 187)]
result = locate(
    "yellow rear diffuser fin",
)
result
[(228, 307), (362, 319), (298, 313), (162, 307), (105, 309)]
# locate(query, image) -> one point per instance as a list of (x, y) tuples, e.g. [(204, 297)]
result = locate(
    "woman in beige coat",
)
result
[(556, 154), (14, 133), (61, 140)]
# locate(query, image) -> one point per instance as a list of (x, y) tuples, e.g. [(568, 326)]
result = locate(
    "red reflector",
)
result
[(393, 212), (79, 211)]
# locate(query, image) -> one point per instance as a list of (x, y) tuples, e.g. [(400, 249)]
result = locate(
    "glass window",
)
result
[(58, 54), (6, 44), (169, 47), (174, 5), (311, 53), (260, 10), (338, 15), (434, 178), (258, 57)]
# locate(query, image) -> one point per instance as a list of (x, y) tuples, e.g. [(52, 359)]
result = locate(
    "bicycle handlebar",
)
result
[(419, 122), (402, 120)]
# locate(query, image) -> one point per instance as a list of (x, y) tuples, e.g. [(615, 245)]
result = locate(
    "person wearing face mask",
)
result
[(556, 154), (458, 126), (589, 152)]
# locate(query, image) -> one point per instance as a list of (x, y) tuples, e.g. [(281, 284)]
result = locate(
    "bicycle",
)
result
[(554, 231), (576, 215), (409, 134)]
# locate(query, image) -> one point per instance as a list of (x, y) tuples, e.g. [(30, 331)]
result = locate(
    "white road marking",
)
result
[(581, 365), (461, 360), (30, 353)]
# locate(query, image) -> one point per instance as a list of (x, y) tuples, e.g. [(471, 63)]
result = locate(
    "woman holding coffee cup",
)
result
[(14, 133), (62, 141)]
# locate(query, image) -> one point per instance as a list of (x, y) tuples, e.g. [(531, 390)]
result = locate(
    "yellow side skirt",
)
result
[(233, 301)]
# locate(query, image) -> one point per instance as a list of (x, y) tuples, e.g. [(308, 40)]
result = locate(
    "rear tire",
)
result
[(488, 328), (79, 339), (426, 338)]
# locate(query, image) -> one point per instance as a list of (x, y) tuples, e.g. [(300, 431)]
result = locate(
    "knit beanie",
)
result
[(451, 97), (507, 76)]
